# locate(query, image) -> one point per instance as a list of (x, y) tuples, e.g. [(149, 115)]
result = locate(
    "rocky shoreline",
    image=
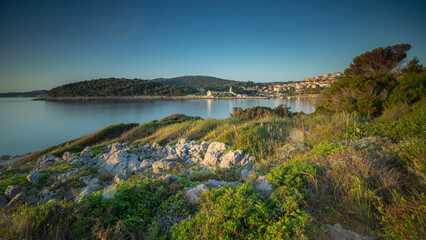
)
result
[(139, 98), (118, 162)]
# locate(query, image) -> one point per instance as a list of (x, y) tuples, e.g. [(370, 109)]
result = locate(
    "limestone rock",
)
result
[(214, 152), (163, 166), (169, 178), (3, 201), (33, 191), (20, 197), (194, 193), (86, 191), (64, 177), (263, 186), (86, 153), (35, 176), (12, 191), (231, 158), (337, 232), (70, 195), (31, 200), (218, 184)]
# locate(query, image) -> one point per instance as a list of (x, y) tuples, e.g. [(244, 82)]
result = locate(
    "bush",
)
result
[(365, 95), (260, 112), (240, 213)]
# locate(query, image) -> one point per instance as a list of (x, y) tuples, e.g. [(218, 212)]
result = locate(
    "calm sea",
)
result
[(27, 126)]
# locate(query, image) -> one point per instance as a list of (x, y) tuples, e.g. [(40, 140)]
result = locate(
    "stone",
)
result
[(113, 163), (44, 192), (169, 178), (31, 200), (116, 146), (12, 191), (60, 192), (194, 193), (214, 152), (147, 163), (35, 176), (20, 197), (86, 153), (33, 191), (64, 177), (3, 201), (162, 166), (86, 191), (70, 195), (49, 197), (68, 156), (155, 146), (231, 158), (183, 141), (245, 173), (120, 178), (248, 162), (219, 184), (337, 232), (204, 146), (262, 185)]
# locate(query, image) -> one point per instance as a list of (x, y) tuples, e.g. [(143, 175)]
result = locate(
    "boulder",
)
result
[(218, 184), (64, 177), (231, 158), (194, 193), (163, 166), (337, 232), (20, 197), (113, 163), (33, 191), (86, 153), (70, 195), (214, 152), (60, 192), (169, 178), (12, 191), (120, 177), (248, 162), (262, 185), (35, 176), (44, 192), (51, 195), (3, 201), (31, 200), (68, 156), (147, 163), (204, 146), (86, 191)]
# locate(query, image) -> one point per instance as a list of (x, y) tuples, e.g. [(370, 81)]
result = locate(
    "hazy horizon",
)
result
[(45, 44)]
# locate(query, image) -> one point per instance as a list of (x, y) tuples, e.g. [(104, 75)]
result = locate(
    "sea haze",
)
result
[(28, 126)]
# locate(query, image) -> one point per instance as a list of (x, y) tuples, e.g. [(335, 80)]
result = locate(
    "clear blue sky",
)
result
[(48, 43)]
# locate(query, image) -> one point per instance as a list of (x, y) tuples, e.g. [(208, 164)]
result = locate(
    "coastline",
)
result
[(150, 98)]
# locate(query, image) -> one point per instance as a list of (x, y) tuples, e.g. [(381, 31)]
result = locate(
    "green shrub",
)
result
[(260, 112), (403, 218)]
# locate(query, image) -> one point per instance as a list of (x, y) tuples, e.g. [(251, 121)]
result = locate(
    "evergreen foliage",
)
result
[(118, 87)]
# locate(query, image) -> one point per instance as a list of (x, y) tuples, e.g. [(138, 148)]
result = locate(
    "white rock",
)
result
[(194, 193)]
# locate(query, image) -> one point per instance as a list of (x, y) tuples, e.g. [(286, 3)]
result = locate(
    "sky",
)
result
[(44, 44)]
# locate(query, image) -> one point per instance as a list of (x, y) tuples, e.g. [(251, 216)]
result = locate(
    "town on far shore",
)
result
[(312, 85)]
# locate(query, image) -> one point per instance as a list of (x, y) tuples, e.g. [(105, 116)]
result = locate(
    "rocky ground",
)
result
[(74, 176), (54, 178)]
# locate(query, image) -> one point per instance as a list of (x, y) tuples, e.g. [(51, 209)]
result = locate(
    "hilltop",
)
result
[(117, 87), (196, 81)]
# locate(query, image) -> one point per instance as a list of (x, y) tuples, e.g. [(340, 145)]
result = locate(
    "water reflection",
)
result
[(27, 126)]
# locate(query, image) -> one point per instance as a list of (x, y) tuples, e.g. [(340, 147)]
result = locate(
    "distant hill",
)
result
[(196, 81), (34, 93), (118, 87)]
